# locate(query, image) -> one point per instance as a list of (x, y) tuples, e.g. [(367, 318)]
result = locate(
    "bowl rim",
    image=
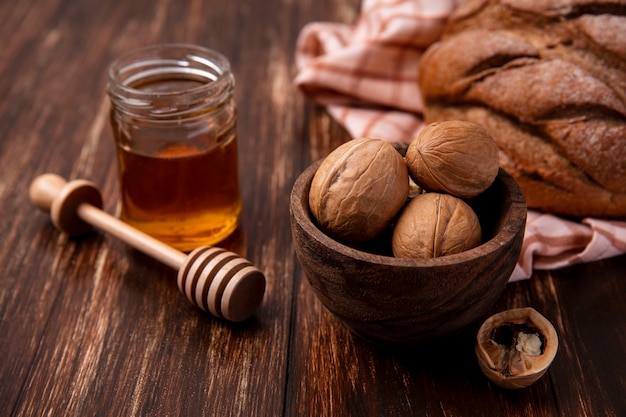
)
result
[(514, 223)]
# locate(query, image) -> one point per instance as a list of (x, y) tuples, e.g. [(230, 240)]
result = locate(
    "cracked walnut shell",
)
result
[(514, 348), (453, 157), (434, 224), (358, 189)]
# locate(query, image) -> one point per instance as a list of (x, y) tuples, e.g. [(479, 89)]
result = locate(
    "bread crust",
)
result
[(547, 78)]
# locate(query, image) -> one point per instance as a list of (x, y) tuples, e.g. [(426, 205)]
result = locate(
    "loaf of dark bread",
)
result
[(547, 78)]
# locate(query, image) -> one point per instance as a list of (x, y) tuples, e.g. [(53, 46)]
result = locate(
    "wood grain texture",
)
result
[(89, 326)]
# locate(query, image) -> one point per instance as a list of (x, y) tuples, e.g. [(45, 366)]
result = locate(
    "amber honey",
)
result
[(174, 123), (183, 196)]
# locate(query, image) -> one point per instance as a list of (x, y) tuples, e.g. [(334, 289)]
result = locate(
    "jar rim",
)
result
[(209, 67)]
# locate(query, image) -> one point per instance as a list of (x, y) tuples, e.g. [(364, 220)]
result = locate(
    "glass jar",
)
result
[(174, 121)]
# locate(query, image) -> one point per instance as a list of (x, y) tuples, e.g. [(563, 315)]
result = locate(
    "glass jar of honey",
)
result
[(174, 121)]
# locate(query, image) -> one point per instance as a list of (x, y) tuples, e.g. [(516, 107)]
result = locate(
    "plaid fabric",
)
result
[(366, 76)]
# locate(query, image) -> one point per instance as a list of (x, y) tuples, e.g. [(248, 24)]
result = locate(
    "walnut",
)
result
[(358, 189), (514, 348), (435, 224), (454, 157)]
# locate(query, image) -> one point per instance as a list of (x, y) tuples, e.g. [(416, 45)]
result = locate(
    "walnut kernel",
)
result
[(514, 348)]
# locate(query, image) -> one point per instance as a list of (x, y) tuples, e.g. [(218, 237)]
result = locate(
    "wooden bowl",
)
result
[(408, 301)]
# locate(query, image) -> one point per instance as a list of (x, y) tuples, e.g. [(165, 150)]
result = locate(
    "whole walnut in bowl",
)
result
[(434, 224), (359, 189), (454, 157), (404, 301)]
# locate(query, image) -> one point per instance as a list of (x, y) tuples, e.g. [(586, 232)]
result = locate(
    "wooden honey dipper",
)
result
[(216, 280)]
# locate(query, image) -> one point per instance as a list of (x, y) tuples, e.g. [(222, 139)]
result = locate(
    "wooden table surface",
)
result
[(90, 326)]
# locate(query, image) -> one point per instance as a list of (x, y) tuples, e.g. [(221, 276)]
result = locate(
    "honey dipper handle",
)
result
[(135, 238), (75, 207)]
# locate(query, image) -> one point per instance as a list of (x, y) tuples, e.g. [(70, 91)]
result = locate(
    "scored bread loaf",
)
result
[(547, 78)]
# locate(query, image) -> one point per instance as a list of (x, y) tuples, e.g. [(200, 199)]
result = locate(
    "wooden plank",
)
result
[(89, 326), (343, 375), (108, 331)]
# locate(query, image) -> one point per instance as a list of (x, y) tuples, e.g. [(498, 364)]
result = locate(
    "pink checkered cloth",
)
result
[(366, 76)]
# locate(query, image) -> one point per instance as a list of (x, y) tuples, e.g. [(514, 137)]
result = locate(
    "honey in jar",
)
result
[(174, 122)]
